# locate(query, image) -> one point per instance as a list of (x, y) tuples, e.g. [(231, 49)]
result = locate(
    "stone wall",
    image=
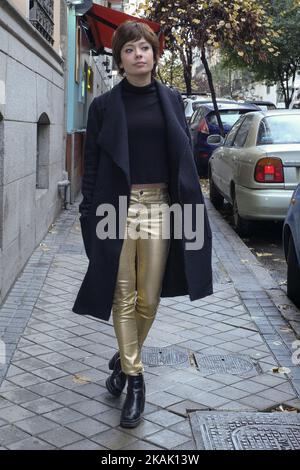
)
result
[(31, 107)]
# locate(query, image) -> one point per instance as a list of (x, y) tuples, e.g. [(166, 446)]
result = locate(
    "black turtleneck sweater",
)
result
[(148, 155)]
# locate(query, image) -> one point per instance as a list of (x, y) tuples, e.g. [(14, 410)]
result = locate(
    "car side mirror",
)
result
[(215, 139)]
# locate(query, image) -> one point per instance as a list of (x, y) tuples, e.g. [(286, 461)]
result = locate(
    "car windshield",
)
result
[(266, 107), (279, 130), (228, 117)]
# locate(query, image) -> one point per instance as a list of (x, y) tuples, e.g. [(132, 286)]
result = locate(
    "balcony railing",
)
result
[(41, 17)]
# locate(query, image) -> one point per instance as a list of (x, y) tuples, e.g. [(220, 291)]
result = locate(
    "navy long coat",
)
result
[(107, 176)]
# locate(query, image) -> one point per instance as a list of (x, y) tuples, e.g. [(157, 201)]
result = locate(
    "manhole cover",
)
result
[(225, 364), (164, 357), (246, 430)]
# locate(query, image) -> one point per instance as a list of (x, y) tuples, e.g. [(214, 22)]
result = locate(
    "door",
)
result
[(226, 159)]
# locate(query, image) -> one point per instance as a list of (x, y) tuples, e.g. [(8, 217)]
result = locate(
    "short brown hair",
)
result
[(133, 31)]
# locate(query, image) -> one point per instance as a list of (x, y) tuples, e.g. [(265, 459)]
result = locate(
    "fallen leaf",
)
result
[(285, 328), (281, 370), (264, 254), (44, 247), (81, 379), (286, 409), (284, 306)]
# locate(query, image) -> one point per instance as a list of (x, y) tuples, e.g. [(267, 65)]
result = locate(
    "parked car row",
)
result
[(204, 123), (291, 245), (262, 105), (256, 168), (191, 104)]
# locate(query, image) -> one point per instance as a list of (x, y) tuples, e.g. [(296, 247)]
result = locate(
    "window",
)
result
[(243, 132), (42, 154), (228, 117), (41, 17), (281, 129), (231, 135), (195, 105), (195, 116)]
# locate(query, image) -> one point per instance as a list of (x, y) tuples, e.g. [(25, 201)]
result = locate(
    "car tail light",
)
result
[(269, 170), (203, 127), (203, 155)]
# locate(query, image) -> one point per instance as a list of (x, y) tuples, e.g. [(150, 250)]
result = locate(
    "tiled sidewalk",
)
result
[(52, 392)]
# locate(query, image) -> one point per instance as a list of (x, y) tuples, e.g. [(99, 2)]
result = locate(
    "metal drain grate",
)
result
[(165, 357), (225, 364), (246, 430)]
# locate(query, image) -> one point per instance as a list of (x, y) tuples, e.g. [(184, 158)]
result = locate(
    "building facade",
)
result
[(88, 75), (50, 71), (32, 123)]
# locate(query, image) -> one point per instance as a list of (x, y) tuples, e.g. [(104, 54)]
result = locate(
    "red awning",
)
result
[(104, 21)]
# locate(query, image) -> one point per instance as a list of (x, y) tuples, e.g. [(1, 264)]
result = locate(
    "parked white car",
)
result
[(257, 167), (295, 103), (191, 103)]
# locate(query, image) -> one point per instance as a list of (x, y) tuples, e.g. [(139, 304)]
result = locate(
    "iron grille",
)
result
[(41, 17)]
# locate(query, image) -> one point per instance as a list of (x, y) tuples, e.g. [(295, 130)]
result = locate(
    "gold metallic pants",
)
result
[(140, 275)]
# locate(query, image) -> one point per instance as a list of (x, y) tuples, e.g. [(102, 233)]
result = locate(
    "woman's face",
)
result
[(137, 58)]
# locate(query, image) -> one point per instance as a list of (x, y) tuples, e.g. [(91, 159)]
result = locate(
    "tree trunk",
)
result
[(212, 90), (187, 62), (282, 86), (294, 68), (287, 90)]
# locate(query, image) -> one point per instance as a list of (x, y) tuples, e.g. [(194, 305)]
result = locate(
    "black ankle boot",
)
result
[(117, 380), (134, 403)]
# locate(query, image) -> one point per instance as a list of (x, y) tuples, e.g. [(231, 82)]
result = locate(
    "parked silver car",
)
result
[(291, 245), (257, 167)]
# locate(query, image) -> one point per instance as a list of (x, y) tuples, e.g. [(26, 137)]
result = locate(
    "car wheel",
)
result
[(293, 274), (214, 195), (241, 225)]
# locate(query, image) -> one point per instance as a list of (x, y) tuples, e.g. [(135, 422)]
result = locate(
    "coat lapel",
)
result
[(177, 140), (175, 121), (113, 137)]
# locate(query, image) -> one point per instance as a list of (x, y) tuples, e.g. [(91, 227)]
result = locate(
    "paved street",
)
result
[(52, 386)]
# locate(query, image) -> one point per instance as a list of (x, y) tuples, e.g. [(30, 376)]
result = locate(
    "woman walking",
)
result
[(139, 161)]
